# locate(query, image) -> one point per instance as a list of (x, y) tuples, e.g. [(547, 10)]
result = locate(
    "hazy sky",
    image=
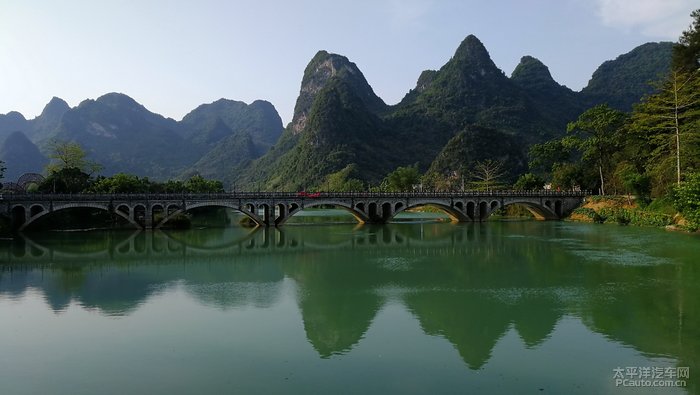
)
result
[(172, 55)]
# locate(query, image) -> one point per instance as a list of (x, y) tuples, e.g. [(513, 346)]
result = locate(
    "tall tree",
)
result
[(596, 134), (668, 121), (686, 53), (488, 174)]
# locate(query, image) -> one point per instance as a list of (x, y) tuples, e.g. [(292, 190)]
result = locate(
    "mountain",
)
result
[(233, 133), (123, 136), (10, 123), (466, 111), (557, 103), (43, 127), (475, 144), (456, 114), (468, 90), (452, 117), (336, 122), (208, 124), (622, 82), (323, 68), (227, 157), (20, 156)]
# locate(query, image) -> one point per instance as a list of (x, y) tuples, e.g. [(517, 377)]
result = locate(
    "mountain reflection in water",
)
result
[(468, 283)]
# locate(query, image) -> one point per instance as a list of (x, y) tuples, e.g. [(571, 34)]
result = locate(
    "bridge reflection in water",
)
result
[(468, 283)]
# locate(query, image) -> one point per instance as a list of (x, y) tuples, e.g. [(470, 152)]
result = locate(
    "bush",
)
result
[(625, 216), (589, 213), (686, 199), (663, 205)]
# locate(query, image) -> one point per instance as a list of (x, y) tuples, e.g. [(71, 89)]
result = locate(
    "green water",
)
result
[(494, 308)]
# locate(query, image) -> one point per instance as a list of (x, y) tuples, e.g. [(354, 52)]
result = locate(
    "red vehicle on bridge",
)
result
[(309, 195)]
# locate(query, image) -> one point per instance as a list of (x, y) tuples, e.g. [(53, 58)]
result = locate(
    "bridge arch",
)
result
[(123, 209), (249, 206), (60, 207), (483, 210), (452, 212), (540, 211), (18, 214), (356, 211), (36, 209), (157, 212), (471, 209)]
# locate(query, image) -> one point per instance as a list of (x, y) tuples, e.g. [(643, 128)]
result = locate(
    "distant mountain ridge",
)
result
[(123, 136), (452, 117)]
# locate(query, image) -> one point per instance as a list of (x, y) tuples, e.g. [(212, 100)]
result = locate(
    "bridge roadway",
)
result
[(149, 211)]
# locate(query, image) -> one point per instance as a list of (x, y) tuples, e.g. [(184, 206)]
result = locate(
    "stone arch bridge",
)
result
[(149, 211)]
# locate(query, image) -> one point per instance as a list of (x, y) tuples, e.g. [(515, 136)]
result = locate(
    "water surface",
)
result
[(499, 307)]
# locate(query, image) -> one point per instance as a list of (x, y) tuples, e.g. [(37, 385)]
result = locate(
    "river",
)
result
[(411, 307)]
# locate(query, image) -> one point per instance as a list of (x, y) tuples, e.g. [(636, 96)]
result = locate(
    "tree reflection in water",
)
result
[(467, 283)]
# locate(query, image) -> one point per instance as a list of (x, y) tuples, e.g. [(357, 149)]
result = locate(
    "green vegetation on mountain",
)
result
[(210, 123), (620, 83), (456, 163), (336, 130), (557, 103)]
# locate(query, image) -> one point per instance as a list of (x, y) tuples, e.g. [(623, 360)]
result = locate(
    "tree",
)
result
[(568, 175), (686, 199), (198, 184), (667, 122), (686, 53), (542, 157), (66, 155), (488, 174), (66, 180), (342, 180), (633, 181), (403, 178), (596, 134), (528, 181), (2, 170), (121, 183)]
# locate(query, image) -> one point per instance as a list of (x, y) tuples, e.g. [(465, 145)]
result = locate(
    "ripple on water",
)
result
[(394, 264), (620, 257)]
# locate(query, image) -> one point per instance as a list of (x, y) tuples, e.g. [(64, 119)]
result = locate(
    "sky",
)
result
[(173, 55)]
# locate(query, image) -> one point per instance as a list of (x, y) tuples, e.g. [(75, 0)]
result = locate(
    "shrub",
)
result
[(686, 199)]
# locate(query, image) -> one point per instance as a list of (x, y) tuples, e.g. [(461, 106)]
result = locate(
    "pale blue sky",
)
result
[(172, 55)]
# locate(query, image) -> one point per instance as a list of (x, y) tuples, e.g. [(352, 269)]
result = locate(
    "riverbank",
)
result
[(626, 210)]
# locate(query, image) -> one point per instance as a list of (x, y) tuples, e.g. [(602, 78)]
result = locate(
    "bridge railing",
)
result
[(284, 195)]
